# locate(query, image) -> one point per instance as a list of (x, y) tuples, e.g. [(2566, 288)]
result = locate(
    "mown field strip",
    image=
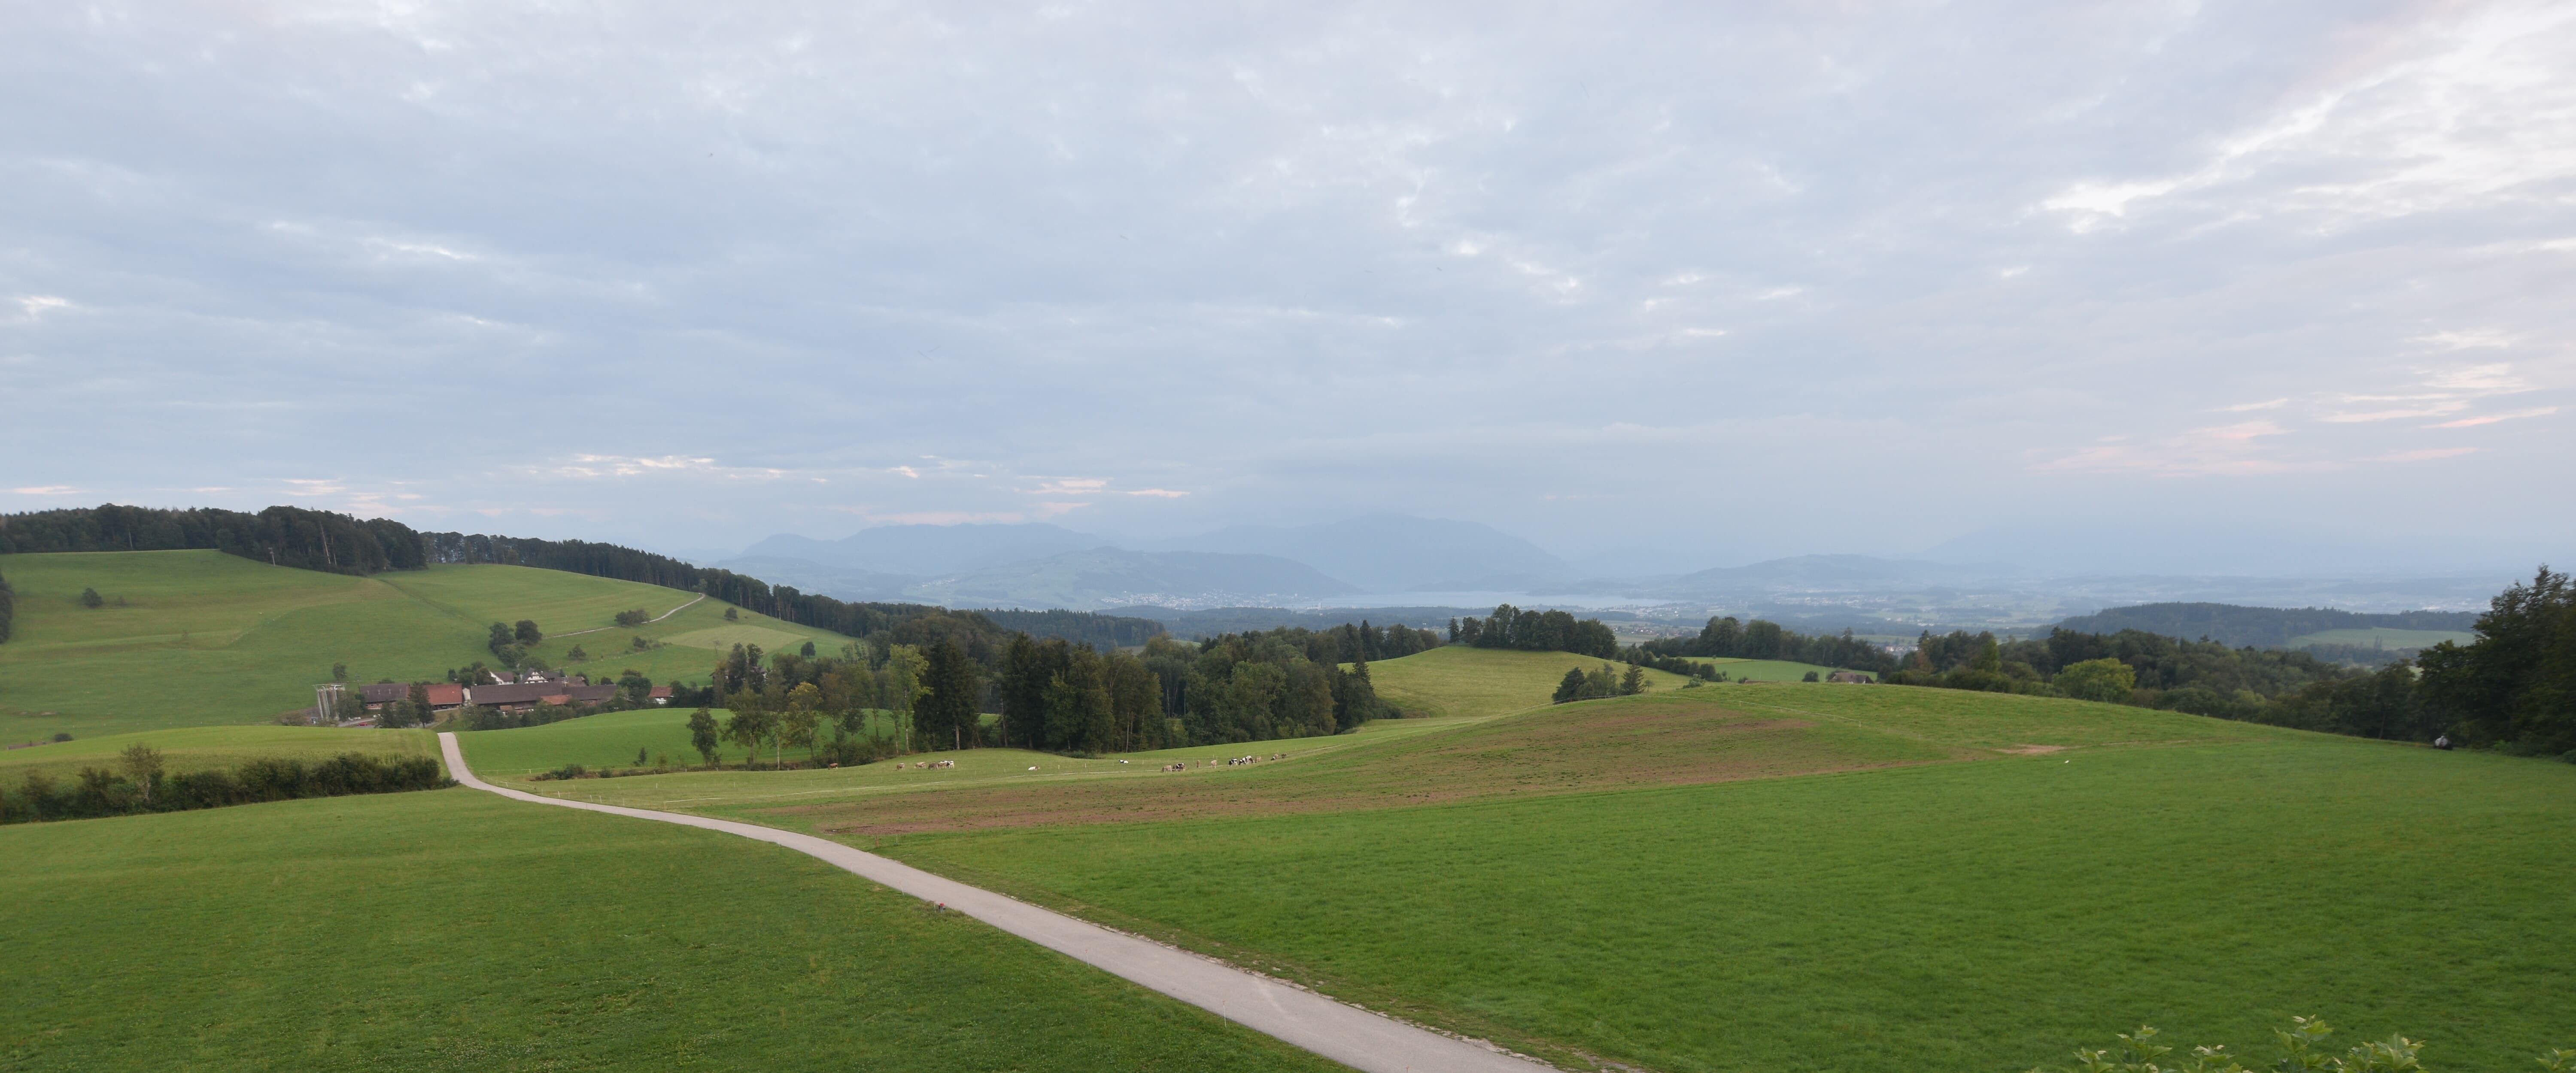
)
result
[(1347, 1034)]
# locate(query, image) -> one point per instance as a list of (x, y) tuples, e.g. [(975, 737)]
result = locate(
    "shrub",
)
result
[(634, 618), (2138, 1052), (101, 793)]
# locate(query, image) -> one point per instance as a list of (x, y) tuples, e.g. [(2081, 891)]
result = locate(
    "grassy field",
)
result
[(201, 748), (1459, 681), (1763, 670), (455, 930), (196, 638), (1789, 876), (2383, 637), (610, 740)]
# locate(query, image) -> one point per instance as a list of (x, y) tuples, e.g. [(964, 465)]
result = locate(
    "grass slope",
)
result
[(1456, 680), (1952, 879), (1763, 670), (455, 930), (200, 748), (602, 741), (1945, 917), (206, 638)]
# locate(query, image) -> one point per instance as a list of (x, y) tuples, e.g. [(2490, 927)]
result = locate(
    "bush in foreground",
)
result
[(2300, 1045), (142, 787)]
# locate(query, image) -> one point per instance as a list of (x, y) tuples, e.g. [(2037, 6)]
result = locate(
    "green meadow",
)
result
[(1763, 670), (1459, 681), (1785, 875), (1991, 914), (453, 929), (196, 638), (611, 741), (202, 748)]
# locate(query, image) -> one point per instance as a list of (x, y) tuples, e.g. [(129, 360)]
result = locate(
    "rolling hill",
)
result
[(195, 638)]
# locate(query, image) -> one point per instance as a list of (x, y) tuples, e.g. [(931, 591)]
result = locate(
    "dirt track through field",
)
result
[(1347, 1034)]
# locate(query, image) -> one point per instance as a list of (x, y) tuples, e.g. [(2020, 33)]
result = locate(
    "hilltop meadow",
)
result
[(1742, 875)]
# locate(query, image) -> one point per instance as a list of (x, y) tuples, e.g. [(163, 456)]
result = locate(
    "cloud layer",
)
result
[(1708, 284)]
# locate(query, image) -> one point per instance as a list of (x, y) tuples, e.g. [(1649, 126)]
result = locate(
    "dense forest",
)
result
[(1728, 639), (279, 536), (1535, 631), (2260, 627), (1078, 627), (1052, 695), (2514, 688), (1281, 683)]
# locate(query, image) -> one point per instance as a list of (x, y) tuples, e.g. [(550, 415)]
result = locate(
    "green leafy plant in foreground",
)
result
[(2138, 1052)]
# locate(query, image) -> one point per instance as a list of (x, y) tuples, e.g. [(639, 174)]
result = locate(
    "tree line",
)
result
[(1048, 694), (2261, 627), (1535, 631), (137, 783), (2513, 688), (279, 536), (1726, 638)]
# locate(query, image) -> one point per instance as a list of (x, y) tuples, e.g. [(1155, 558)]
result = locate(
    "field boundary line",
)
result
[(1352, 1035), (646, 622)]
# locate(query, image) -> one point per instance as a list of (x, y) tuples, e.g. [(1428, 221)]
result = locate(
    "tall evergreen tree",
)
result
[(944, 718)]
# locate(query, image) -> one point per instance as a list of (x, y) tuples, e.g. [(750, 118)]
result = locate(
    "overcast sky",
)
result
[(1705, 286)]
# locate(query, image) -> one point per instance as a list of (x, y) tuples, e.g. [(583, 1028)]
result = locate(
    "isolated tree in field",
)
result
[(339, 672), (142, 763), (2107, 680), (704, 736), (90, 598), (1633, 682), (750, 726), (576, 655), (803, 718), (526, 632), (1570, 688), (732, 615), (633, 618), (807, 651)]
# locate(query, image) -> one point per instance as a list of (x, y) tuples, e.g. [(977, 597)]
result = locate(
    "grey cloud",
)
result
[(1753, 280)]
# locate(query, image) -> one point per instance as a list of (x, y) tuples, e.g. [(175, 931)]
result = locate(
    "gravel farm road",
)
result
[(1347, 1034)]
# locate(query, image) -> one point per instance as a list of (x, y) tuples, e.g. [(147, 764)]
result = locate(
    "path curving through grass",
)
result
[(1347, 1034)]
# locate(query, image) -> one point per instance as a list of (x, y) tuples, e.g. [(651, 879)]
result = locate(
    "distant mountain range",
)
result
[(1041, 566), (1397, 553), (927, 550)]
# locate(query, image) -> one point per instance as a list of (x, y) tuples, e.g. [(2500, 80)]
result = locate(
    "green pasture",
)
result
[(196, 638), (509, 754), (2384, 637), (453, 929), (610, 740), (1763, 670), (1456, 680), (202, 748), (1992, 914)]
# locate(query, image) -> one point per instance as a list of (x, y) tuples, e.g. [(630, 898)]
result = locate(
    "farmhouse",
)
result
[(442, 695), (519, 696)]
